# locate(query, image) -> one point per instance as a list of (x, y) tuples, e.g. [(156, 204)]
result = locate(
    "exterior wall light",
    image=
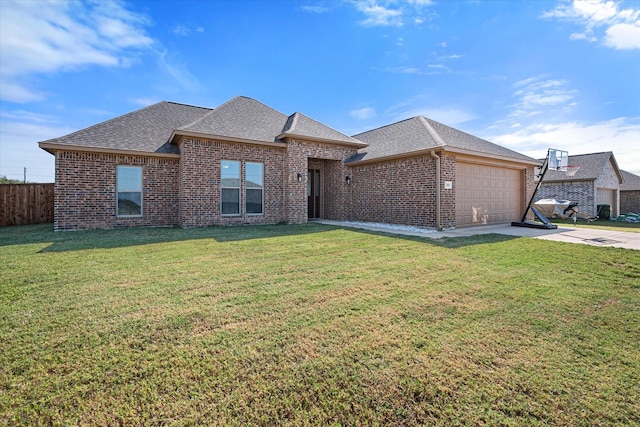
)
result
[(299, 177), (348, 180)]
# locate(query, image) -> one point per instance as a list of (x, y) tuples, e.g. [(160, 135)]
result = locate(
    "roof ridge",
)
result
[(197, 120), (591, 154), (434, 134), (290, 125), (187, 105), (385, 126)]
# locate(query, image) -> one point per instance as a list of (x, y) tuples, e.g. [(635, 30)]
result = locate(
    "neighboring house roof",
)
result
[(419, 134), (584, 167), (147, 129), (631, 182)]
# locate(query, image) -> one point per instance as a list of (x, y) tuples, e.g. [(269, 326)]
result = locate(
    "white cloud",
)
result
[(619, 135), (314, 9), (363, 113), (178, 71), (181, 30), (450, 116), (19, 134), (185, 31), (51, 36), (582, 36), (623, 36), (378, 15), (391, 13), (621, 26), (535, 93), (144, 102)]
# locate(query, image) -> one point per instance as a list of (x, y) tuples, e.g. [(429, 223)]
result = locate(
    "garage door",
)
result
[(607, 196), (487, 195)]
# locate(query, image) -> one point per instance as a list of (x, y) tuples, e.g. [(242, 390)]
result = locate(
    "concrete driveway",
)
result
[(587, 236)]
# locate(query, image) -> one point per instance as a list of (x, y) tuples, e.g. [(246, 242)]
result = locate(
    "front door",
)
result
[(313, 193)]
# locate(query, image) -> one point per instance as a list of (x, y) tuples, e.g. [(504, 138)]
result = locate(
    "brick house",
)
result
[(630, 193), (172, 164), (591, 180)]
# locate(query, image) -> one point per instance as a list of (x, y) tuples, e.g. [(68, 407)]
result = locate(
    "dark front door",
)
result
[(313, 193)]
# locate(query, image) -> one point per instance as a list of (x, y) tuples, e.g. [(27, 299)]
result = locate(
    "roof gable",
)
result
[(302, 126), (242, 118), (420, 133), (146, 129)]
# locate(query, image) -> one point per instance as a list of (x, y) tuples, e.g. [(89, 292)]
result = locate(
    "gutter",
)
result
[(438, 207)]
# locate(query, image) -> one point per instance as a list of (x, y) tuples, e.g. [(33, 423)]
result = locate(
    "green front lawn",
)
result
[(314, 325)]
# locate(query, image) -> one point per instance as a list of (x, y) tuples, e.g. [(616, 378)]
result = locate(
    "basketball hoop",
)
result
[(571, 170), (557, 159)]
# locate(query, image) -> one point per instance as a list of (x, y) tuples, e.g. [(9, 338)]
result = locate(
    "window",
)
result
[(129, 188), (230, 179), (254, 176)]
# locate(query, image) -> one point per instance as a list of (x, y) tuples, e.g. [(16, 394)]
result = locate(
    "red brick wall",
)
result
[(447, 196), (187, 192), (200, 182), (85, 191), (396, 191), (335, 173), (630, 201)]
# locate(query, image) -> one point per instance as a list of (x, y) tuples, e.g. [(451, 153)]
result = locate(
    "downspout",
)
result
[(438, 219)]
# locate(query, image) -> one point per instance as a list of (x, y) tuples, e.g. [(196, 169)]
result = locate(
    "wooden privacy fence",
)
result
[(22, 204)]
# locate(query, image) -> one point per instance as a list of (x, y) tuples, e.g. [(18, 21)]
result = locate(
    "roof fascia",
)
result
[(53, 148), (461, 154), (358, 144), (616, 168), (177, 135)]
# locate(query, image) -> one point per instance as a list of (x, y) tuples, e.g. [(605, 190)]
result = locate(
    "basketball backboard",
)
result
[(558, 159)]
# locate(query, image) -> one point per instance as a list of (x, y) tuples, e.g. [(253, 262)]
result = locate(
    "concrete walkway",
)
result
[(587, 236)]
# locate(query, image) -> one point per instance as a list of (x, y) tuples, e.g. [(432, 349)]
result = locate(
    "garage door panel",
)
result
[(487, 194)]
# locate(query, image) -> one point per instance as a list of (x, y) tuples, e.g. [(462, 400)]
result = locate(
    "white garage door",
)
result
[(487, 195), (607, 196)]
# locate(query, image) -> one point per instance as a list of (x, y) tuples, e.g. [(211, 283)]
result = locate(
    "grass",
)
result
[(314, 325)]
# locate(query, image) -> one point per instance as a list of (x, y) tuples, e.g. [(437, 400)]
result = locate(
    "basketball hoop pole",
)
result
[(545, 168), (545, 221)]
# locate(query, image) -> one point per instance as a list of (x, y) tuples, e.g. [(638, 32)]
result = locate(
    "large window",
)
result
[(129, 188), (254, 177), (230, 178)]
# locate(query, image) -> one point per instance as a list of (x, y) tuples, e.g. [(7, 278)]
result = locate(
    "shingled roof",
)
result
[(583, 167), (420, 133), (147, 129), (299, 125), (241, 118), (631, 181), (247, 119), (153, 129)]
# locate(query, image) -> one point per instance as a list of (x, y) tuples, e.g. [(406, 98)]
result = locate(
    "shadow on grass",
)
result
[(43, 234), (445, 242)]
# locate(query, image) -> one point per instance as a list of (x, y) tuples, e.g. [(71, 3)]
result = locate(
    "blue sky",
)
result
[(527, 75)]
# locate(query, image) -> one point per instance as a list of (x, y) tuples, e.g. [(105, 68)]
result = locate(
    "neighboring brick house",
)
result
[(172, 164), (591, 180), (630, 193)]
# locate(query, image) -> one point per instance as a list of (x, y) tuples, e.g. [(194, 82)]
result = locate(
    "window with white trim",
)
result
[(230, 185), (129, 191), (254, 188)]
